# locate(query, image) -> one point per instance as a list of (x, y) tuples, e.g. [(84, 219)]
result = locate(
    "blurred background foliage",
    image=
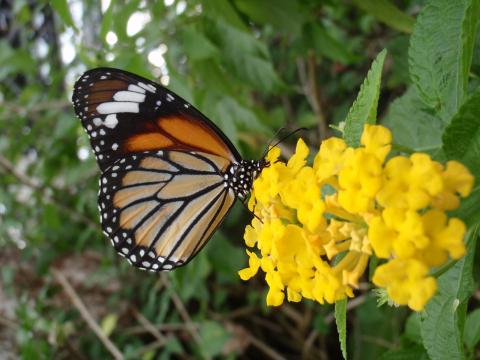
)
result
[(252, 67)]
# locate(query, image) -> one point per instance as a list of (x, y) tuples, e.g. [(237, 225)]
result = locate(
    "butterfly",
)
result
[(169, 176)]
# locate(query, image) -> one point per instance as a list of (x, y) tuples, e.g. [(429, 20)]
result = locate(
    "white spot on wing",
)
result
[(111, 121), (117, 107), (129, 96), (97, 121), (136, 88), (147, 87)]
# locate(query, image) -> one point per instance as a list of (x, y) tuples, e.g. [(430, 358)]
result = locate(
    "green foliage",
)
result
[(441, 49), (364, 109), (341, 321), (250, 67), (413, 124), (444, 317), (472, 330), (461, 140), (385, 11)]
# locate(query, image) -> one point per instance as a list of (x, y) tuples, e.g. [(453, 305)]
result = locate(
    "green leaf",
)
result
[(246, 57), (61, 7), (469, 209), (213, 338), (461, 140), (109, 323), (341, 321), (364, 109), (388, 13), (412, 123), (221, 9), (283, 15), (327, 45), (107, 20), (196, 44), (444, 316), (440, 53), (412, 353), (412, 328), (472, 330)]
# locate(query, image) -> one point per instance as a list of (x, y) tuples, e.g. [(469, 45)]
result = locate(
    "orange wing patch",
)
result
[(148, 141), (195, 135)]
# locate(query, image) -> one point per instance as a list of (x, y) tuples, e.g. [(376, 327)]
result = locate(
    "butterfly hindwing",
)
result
[(124, 113), (160, 208)]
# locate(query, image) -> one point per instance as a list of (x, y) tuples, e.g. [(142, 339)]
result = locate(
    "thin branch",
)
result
[(149, 348), (8, 322), (82, 309), (307, 73), (260, 345), (149, 326), (267, 350), (44, 192), (315, 95), (378, 341), (181, 309)]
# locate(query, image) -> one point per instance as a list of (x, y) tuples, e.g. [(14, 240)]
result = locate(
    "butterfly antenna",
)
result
[(252, 212), (271, 141), (270, 146)]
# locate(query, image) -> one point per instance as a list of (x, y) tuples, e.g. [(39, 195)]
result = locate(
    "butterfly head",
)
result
[(240, 176)]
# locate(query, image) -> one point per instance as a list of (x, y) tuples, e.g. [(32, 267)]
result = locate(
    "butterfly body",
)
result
[(169, 175)]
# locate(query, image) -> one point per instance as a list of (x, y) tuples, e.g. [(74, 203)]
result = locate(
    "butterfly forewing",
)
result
[(124, 113), (163, 189)]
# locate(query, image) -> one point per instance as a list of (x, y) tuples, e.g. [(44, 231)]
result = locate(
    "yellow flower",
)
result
[(457, 179), (359, 181), (446, 238), (406, 282), (410, 182), (253, 265), (318, 225), (397, 232), (329, 160), (377, 141)]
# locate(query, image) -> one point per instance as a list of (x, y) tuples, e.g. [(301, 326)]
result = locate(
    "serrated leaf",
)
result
[(341, 321), (388, 13), (444, 316), (472, 329), (412, 124), (440, 53), (61, 7), (461, 140), (364, 109)]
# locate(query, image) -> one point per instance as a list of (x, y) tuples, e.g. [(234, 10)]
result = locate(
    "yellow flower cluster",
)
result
[(317, 226)]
